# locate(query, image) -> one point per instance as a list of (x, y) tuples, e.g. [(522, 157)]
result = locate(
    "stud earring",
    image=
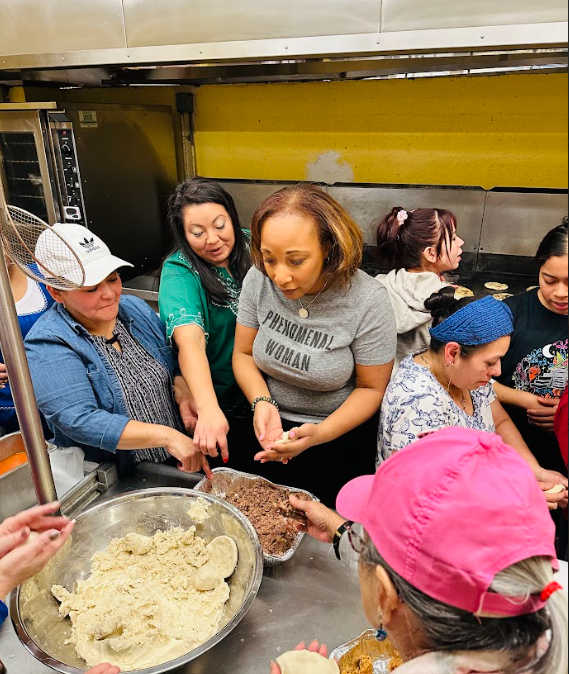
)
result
[(380, 634)]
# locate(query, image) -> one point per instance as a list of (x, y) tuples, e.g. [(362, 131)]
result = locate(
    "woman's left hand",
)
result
[(300, 439), (543, 416), (314, 647), (189, 414)]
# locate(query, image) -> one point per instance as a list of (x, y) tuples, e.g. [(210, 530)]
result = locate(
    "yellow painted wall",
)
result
[(506, 131)]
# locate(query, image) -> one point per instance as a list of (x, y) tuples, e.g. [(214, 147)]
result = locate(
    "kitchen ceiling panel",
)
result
[(402, 15), (195, 21)]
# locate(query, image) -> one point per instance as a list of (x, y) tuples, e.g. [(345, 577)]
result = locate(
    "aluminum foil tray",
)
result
[(383, 655), (226, 479)]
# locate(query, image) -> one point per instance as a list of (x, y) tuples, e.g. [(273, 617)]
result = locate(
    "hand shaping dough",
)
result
[(556, 490), (223, 558), (304, 662), (285, 439)]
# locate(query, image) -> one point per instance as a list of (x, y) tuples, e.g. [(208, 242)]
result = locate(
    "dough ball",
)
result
[(304, 662), (207, 578), (224, 555), (137, 544), (556, 490), (285, 439)]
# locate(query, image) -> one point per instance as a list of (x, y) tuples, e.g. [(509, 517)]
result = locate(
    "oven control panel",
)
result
[(69, 177)]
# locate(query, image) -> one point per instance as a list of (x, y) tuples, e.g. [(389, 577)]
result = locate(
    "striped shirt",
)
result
[(146, 385)]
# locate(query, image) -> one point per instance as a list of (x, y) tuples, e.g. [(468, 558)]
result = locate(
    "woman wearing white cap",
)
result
[(456, 559), (102, 369)]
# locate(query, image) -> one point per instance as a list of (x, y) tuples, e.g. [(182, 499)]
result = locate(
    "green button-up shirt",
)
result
[(183, 301)]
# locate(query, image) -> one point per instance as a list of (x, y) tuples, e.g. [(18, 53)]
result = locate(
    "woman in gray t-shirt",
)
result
[(315, 342)]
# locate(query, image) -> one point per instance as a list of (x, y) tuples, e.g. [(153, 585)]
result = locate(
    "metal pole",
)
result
[(23, 390)]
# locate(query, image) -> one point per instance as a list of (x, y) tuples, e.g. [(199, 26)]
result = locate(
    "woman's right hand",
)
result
[(268, 424), (321, 522), (191, 459), (314, 647), (211, 432)]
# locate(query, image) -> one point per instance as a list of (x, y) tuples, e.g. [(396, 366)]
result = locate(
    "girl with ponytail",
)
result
[(419, 247)]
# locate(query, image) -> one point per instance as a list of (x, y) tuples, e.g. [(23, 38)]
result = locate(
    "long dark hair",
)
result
[(554, 244), (195, 192), (401, 246)]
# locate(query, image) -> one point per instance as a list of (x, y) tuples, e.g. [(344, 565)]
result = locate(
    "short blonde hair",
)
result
[(339, 235)]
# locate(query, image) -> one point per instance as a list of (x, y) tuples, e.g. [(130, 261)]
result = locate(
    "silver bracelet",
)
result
[(264, 399)]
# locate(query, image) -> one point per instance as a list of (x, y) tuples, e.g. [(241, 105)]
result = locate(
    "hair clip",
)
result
[(550, 590), (402, 217)]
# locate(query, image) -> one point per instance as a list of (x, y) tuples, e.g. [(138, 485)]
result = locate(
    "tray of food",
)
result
[(367, 655), (266, 505)]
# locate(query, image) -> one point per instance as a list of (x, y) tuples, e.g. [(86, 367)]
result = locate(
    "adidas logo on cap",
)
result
[(89, 245)]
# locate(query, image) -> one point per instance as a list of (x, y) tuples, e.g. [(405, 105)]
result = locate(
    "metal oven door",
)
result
[(25, 163)]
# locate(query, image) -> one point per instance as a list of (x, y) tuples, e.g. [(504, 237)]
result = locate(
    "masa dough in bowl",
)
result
[(304, 662), (140, 607)]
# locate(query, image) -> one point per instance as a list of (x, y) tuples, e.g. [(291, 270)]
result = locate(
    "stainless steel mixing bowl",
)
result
[(34, 610)]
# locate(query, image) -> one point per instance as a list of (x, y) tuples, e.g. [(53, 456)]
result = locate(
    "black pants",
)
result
[(243, 445)]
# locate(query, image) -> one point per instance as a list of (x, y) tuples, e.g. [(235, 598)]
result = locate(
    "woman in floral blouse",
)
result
[(450, 384)]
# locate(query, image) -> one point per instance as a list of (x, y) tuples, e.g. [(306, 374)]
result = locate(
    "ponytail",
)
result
[(388, 237), (403, 236)]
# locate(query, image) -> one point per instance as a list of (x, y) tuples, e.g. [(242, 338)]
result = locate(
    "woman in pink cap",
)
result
[(456, 557)]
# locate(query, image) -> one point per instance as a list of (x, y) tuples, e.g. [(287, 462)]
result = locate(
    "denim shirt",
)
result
[(77, 390)]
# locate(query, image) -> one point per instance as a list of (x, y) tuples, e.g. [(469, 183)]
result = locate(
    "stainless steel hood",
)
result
[(82, 33)]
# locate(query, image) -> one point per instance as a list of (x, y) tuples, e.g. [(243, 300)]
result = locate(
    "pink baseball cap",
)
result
[(450, 512)]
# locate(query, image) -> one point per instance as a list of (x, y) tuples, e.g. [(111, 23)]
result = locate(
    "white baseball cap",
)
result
[(91, 251)]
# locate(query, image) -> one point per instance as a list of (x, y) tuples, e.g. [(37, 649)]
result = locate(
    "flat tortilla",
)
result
[(304, 662), (460, 292), (502, 296), (493, 285)]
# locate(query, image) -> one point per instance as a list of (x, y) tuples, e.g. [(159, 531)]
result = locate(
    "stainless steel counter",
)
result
[(312, 596)]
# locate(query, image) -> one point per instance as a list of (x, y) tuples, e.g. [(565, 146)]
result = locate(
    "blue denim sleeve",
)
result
[(3, 612), (66, 397)]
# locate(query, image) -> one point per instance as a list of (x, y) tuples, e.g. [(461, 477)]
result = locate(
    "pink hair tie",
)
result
[(402, 218), (550, 590)]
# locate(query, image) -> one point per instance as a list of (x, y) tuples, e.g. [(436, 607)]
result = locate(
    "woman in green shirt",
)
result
[(199, 298)]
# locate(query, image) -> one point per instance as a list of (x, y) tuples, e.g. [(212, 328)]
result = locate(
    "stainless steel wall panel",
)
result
[(248, 196), (403, 15), (514, 224), (29, 26), (367, 205), (195, 21)]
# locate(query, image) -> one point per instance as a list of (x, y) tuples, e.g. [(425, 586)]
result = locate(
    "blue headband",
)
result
[(480, 322)]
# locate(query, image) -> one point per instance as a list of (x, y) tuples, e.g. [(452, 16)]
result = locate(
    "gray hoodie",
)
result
[(408, 292)]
